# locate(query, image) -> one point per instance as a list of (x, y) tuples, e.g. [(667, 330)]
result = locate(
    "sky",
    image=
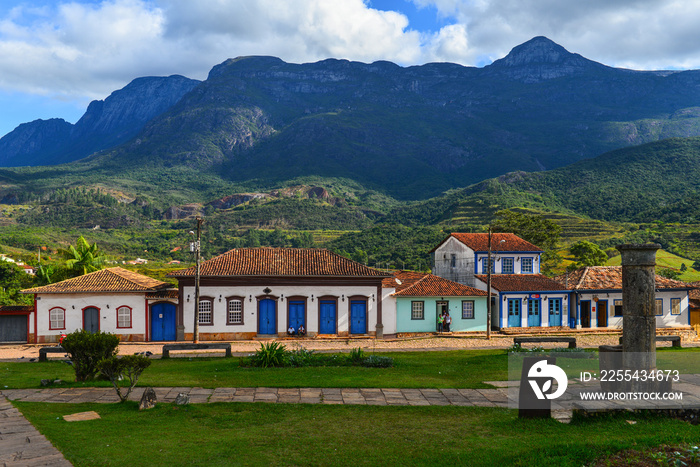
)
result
[(58, 55)]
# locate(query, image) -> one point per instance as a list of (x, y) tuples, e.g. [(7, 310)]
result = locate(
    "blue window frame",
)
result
[(675, 306), (526, 266), (484, 266), (507, 266)]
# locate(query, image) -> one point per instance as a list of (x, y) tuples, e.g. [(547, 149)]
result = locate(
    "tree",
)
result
[(12, 280), (535, 229), (669, 273), (587, 254), (82, 258)]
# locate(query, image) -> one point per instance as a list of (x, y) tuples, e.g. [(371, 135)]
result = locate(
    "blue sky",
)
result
[(58, 55)]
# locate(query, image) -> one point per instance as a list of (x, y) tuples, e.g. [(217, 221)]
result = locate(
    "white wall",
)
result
[(75, 303), (250, 310), (665, 320)]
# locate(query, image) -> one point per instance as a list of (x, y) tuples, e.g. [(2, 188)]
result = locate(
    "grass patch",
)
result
[(282, 434), (451, 369)]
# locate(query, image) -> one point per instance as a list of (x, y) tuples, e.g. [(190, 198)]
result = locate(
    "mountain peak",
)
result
[(537, 50), (541, 59)]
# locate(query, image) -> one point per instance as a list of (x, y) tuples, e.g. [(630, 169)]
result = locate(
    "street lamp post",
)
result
[(488, 290), (197, 251)]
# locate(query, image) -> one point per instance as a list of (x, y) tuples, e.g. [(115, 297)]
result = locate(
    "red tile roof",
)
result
[(521, 282), (416, 284), (104, 280), (608, 278), (499, 242), (268, 261)]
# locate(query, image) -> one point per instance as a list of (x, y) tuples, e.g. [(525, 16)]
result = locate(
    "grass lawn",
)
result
[(451, 369), (278, 434)]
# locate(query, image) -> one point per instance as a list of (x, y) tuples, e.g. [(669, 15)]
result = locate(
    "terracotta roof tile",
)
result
[(415, 284), (105, 280), (480, 242), (268, 261), (167, 293), (521, 282), (608, 278)]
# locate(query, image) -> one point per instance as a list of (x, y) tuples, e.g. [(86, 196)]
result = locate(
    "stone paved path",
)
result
[(347, 396)]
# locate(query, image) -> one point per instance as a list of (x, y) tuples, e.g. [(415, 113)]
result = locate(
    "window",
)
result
[(454, 260), (526, 266), (675, 306), (507, 266), (205, 311), (618, 307), (417, 310), (484, 266), (123, 317), (57, 318), (235, 311), (659, 307), (468, 309)]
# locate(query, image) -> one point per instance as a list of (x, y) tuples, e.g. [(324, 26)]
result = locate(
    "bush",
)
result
[(270, 354), (356, 356), (116, 369), (86, 350), (300, 357), (375, 361)]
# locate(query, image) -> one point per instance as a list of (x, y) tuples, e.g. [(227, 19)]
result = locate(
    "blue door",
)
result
[(91, 320), (297, 314), (266, 314), (555, 311), (534, 318), (358, 318), (327, 318), (514, 313), (163, 326)]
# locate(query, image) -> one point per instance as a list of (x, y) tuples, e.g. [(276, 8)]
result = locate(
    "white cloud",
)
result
[(639, 34)]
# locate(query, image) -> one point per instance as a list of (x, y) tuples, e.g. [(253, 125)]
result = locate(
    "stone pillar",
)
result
[(639, 305)]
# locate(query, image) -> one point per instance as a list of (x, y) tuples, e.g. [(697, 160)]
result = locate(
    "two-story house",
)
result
[(525, 298)]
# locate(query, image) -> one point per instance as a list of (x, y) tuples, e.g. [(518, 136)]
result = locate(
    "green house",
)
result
[(421, 298)]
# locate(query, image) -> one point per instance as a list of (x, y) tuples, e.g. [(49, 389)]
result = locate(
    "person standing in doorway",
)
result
[(448, 321)]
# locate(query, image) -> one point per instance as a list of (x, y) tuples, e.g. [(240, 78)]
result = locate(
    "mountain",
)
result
[(410, 133), (105, 124), (653, 182)]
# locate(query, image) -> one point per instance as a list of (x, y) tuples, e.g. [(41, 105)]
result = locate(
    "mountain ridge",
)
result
[(410, 132), (105, 124)]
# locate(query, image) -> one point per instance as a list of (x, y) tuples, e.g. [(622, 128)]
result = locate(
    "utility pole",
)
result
[(197, 251), (488, 290)]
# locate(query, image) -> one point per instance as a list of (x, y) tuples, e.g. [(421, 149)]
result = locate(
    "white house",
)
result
[(461, 256), (527, 300), (598, 298), (252, 292), (113, 300)]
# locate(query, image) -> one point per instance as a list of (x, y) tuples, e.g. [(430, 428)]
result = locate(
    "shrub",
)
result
[(116, 369), (300, 356), (375, 361), (356, 356), (86, 350), (270, 354)]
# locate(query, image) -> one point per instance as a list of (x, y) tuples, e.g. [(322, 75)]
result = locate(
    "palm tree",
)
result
[(82, 258)]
